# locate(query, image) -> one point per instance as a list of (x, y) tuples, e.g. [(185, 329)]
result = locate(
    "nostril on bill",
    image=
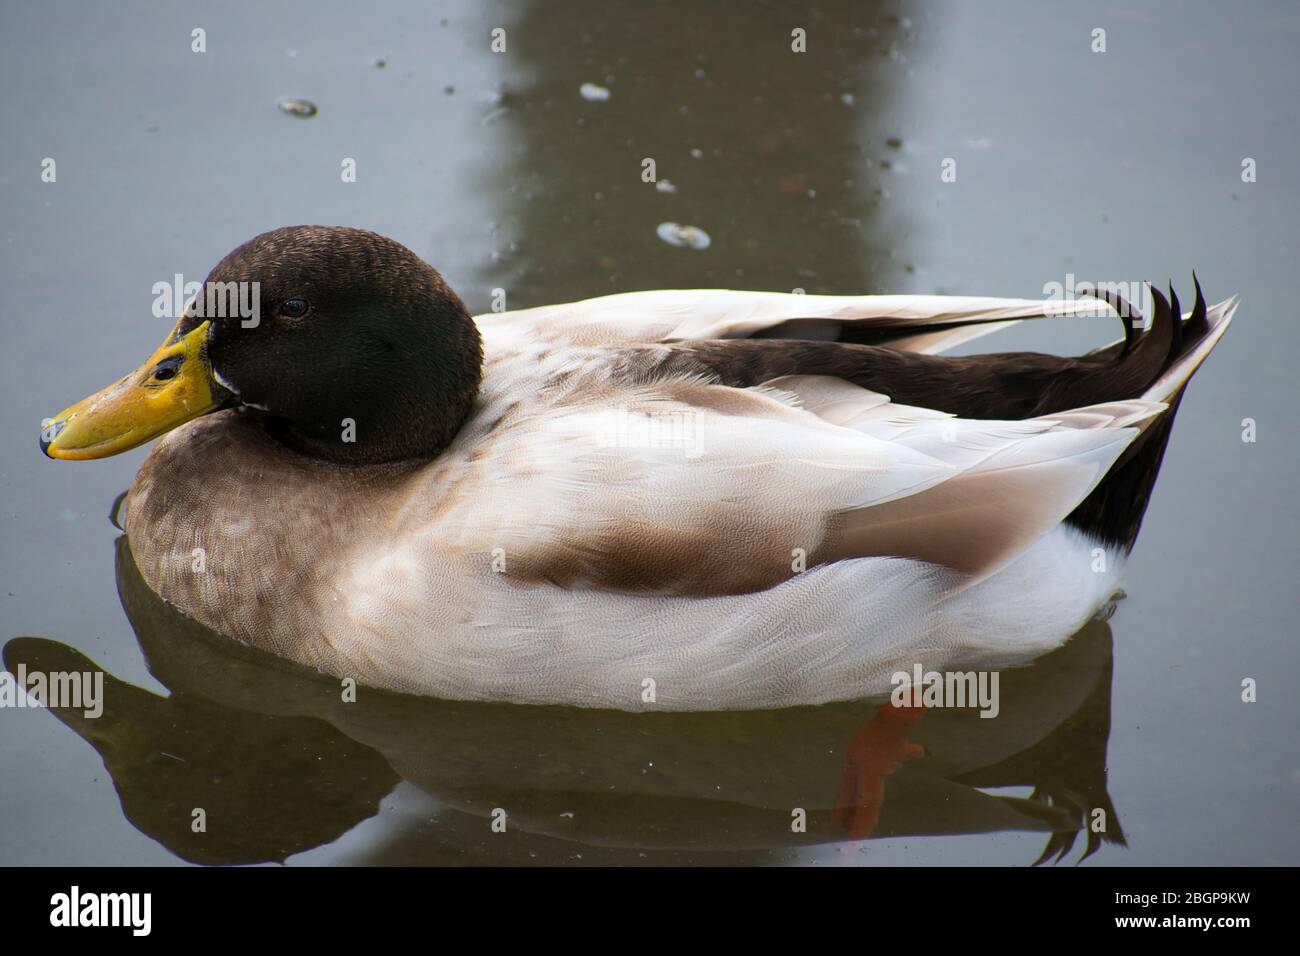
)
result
[(166, 370)]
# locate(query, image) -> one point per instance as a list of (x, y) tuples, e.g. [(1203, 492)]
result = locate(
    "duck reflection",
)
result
[(281, 759), (788, 161)]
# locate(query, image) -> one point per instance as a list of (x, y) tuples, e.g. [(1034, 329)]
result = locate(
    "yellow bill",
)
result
[(174, 386)]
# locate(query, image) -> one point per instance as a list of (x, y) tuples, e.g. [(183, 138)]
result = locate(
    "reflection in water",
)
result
[(784, 159), (269, 786), (281, 763)]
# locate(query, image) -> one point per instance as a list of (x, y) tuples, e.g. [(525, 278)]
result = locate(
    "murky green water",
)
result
[(818, 171)]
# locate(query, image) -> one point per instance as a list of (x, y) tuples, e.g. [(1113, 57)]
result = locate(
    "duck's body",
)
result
[(648, 504), (376, 594)]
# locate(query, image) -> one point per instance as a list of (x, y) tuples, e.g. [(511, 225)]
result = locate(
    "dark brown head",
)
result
[(352, 349)]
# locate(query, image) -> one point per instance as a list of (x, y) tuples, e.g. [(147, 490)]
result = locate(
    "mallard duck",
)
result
[(656, 500)]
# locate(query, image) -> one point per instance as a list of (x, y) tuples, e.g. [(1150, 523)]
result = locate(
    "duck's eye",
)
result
[(293, 308)]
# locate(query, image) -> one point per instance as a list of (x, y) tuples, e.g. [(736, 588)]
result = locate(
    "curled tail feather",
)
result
[(1159, 362)]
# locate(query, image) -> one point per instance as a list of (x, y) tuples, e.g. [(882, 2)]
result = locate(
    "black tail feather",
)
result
[(1123, 308), (1113, 512), (1197, 324)]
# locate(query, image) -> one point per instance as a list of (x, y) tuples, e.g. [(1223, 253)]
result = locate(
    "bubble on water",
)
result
[(593, 93), (846, 99), (683, 237), (665, 186), (298, 107), (697, 154)]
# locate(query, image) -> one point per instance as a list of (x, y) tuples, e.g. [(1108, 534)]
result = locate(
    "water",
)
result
[(819, 171)]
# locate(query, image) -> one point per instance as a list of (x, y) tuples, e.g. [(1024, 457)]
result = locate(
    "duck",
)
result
[(661, 500)]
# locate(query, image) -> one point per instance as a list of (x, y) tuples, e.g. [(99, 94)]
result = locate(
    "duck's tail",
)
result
[(1155, 364)]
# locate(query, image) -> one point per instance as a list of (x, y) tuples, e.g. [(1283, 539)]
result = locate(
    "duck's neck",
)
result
[(409, 407)]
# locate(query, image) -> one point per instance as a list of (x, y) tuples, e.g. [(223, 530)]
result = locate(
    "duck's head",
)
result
[(352, 348)]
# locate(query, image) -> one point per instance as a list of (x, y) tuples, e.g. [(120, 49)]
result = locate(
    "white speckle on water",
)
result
[(295, 106), (684, 237), (593, 93), (665, 186)]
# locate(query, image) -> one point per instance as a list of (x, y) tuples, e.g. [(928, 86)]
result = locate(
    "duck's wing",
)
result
[(688, 487), (975, 520), (919, 323)]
